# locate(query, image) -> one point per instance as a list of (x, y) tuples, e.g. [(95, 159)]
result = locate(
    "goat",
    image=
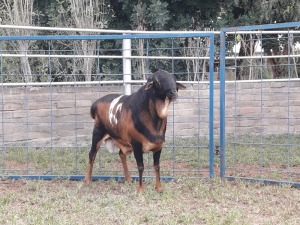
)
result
[(135, 122)]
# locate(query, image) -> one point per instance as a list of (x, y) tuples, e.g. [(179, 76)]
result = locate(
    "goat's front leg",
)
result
[(156, 157), (138, 154)]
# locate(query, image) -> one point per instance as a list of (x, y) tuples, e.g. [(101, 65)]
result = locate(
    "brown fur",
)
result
[(138, 125)]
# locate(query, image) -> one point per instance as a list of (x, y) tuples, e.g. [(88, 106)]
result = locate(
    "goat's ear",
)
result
[(180, 86), (149, 84)]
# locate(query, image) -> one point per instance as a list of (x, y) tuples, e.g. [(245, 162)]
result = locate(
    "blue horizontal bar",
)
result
[(265, 181), (76, 177), (105, 37), (260, 27)]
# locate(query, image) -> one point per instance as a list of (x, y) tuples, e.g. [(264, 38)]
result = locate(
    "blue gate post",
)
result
[(222, 103), (211, 106)]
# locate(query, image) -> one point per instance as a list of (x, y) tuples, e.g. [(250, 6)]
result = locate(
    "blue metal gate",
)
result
[(259, 118), (37, 117)]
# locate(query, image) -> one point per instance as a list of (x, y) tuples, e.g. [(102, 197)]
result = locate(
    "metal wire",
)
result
[(189, 150), (263, 144), (57, 141), (2, 116)]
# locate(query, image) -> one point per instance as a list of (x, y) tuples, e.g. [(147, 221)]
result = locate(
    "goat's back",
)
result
[(105, 99)]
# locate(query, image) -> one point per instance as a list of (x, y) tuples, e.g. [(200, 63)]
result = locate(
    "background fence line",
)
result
[(260, 114)]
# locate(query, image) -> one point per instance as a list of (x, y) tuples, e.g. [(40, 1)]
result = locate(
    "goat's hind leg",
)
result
[(125, 166), (98, 134)]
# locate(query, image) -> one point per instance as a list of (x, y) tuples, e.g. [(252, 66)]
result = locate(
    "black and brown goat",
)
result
[(136, 122)]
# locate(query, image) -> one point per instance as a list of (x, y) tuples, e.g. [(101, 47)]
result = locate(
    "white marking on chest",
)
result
[(114, 108)]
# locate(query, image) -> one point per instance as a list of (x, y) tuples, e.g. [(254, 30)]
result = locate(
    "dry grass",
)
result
[(184, 201)]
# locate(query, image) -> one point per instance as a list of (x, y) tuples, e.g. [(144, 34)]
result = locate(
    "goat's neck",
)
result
[(162, 108), (159, 108)]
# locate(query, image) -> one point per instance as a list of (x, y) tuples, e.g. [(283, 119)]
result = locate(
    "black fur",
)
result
[(159, 86)]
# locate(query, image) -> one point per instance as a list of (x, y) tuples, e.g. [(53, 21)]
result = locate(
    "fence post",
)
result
[(222, 104), (127, 66)]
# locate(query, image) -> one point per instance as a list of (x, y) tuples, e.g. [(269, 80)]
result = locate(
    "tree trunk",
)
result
[(88, 49), (247, 49), (278, 66), (141, 63), (23, 46)]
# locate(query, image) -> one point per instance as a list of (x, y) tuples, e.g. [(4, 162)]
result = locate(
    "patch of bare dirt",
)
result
[(11, 185), (273, 172), (21, 168)]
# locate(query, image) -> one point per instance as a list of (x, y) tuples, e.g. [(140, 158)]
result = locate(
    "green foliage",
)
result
[(281, 11), (193, 15), (151, 15), (146, 15), (244, 12)]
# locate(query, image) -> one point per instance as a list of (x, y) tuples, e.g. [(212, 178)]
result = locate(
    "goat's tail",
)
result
[(93, 110)]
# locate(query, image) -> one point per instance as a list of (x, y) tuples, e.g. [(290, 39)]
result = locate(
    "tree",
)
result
[(193, 15), (196, 47), (19, 12), (155, 15), (88, 14), (93, 14), (151, 15), (280, 11), (254, 12)]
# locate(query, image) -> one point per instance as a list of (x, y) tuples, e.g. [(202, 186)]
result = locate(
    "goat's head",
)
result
[(165, 88)]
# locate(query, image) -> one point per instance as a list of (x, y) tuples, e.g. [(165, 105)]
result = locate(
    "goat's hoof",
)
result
[(140, 189), (87, 181), (128, 180), (159, 189)]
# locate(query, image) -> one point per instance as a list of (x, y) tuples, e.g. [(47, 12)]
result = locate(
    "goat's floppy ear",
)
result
[(149, 84), (180, 86)]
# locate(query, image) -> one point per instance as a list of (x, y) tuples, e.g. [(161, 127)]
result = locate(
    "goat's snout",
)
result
[(172, 95)]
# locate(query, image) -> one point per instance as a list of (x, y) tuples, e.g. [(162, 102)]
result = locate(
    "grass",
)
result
[(184, 201), (269, 157), (183, 155), (267, 150)]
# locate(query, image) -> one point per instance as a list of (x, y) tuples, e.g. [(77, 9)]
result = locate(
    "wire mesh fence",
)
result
[(46, 127), (261, 115)]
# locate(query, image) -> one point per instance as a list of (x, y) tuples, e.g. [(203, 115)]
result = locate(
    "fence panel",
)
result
[(45, 126), (259, 116)]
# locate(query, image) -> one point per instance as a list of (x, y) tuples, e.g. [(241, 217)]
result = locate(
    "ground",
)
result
[(184, 201)]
